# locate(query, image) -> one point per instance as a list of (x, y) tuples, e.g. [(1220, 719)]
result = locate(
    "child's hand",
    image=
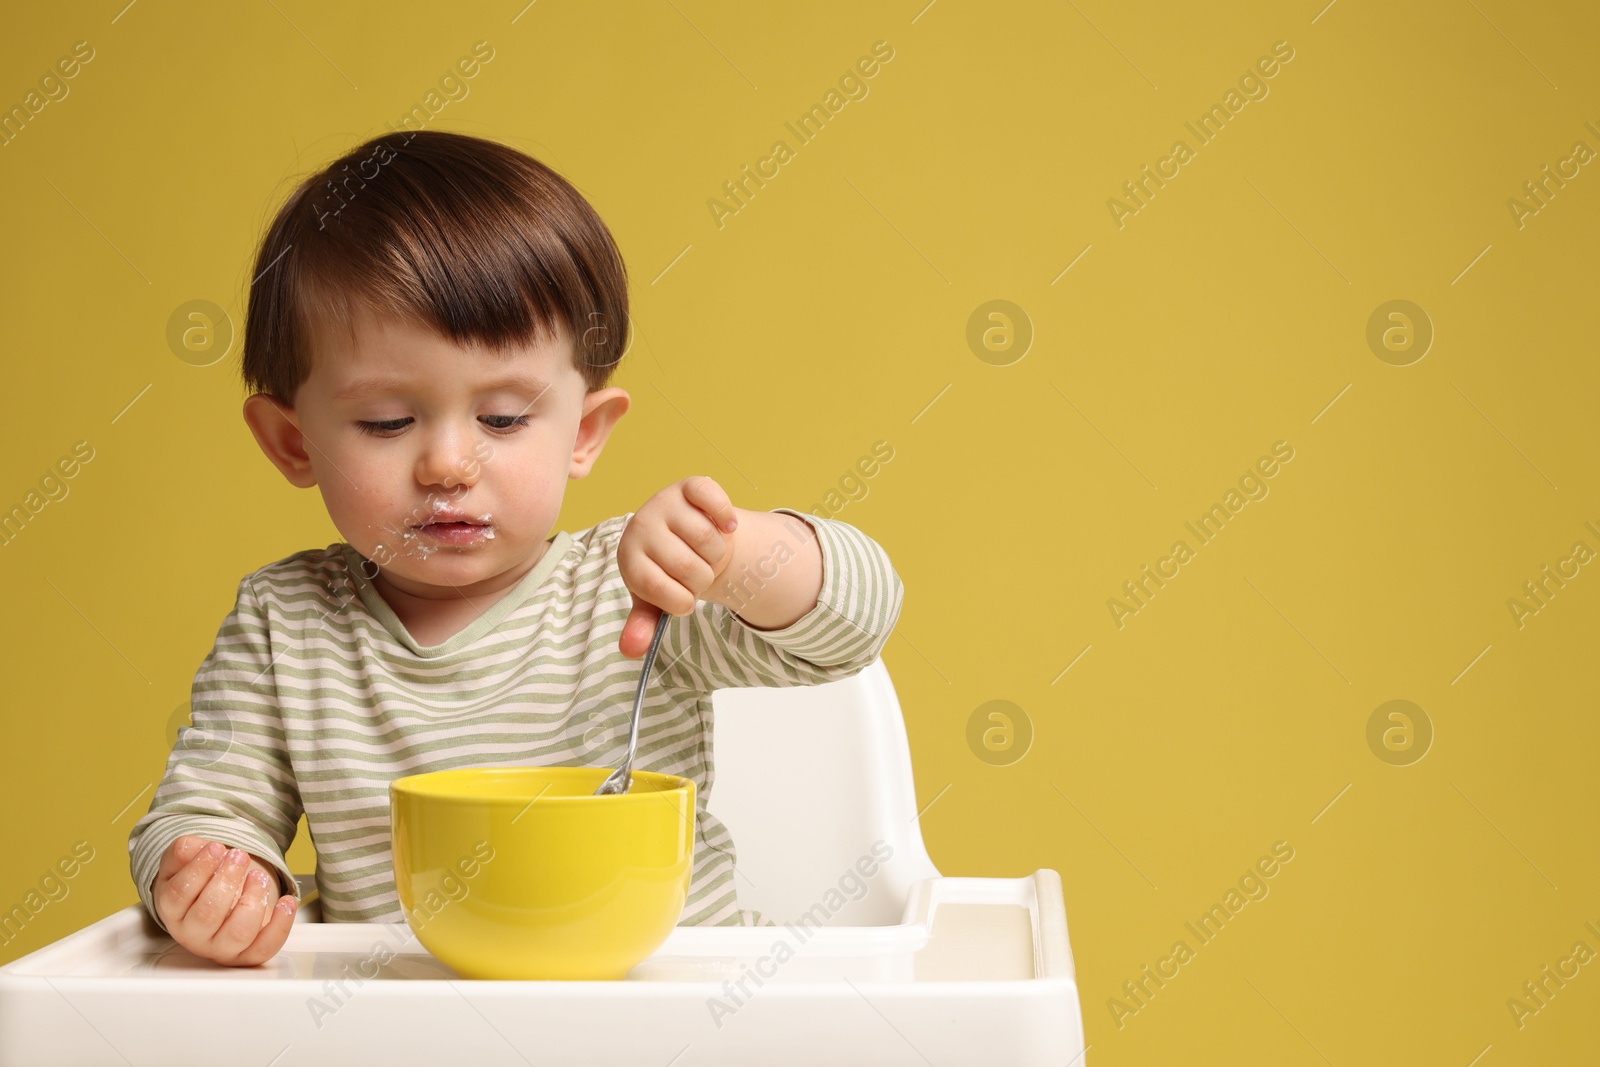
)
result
[(671, 551), (218, 910)]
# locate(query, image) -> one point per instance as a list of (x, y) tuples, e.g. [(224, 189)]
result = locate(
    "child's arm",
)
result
[(792, 599), (228, 778)]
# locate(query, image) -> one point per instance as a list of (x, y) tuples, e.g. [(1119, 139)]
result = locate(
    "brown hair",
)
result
[(477, 240)]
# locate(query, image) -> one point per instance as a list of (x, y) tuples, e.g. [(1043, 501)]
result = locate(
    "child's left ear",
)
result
[(276, 431), (601, 410)]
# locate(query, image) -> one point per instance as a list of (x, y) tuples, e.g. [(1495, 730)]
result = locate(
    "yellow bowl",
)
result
[(522, 872)]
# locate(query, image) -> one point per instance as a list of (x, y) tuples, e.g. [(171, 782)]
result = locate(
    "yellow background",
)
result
[(825, 316)]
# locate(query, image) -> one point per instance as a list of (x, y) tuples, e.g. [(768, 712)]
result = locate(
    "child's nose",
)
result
[(448, 461)]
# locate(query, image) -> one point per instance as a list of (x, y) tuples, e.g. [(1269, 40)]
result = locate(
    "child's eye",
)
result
[(390, 427), (503, 422), (381, 429)]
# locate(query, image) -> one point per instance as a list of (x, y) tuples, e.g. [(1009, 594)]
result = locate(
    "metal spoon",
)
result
[(622, 777)]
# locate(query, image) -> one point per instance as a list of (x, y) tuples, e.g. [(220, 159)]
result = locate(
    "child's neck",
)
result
[(437, 614)]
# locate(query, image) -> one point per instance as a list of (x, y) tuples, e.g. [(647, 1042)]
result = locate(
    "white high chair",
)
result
[(966, 972), (841, 746)]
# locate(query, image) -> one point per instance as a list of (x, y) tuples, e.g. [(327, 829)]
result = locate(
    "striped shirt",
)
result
[(315, 696)]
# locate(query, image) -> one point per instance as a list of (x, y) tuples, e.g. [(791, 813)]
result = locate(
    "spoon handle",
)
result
[(644, 678)]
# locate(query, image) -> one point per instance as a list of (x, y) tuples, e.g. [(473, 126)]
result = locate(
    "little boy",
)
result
[(431, 326)]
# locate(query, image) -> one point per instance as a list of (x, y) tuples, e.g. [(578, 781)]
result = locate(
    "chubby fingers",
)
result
[(709, 497), (270, 938), (698, 541), (177, 855), (248, 935), (217, 897), (673, 549), (652, 582), (176, 893), (246, 918), (689, 553)]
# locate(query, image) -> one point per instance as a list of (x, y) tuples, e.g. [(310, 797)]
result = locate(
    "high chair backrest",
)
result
[(808, 779)]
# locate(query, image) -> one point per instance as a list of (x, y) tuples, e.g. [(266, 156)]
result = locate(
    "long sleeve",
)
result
[(228, 778), (857, 607)]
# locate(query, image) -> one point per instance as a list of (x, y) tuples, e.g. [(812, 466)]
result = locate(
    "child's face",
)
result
[(401, 424)]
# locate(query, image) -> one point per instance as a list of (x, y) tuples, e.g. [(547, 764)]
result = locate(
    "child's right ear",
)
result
[(279, 436)]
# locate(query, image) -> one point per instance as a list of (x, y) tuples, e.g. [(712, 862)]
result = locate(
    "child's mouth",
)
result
[(456, 533)]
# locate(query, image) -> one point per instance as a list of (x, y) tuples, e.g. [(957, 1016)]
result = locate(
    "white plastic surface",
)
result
[(920, 969), (978, 974), (842, 746)]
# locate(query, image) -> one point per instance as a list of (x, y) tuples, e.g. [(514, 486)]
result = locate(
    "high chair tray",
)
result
[(979, 971)]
